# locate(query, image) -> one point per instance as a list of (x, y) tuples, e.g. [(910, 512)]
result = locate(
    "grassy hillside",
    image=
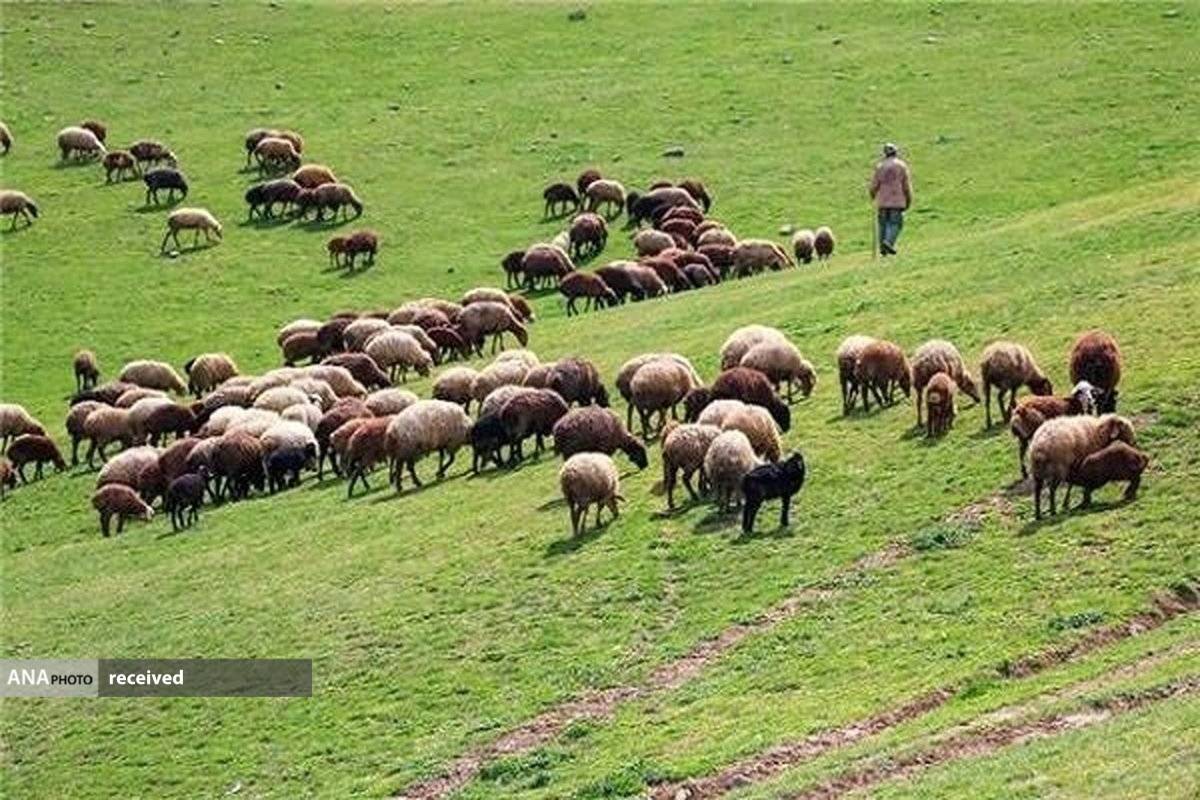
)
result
[(1054, 170)]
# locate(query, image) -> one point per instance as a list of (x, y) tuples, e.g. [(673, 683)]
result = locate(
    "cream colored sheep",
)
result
[(104, 426), (727, 461), (128, 398), (416, 332), (319, 392), (280, 376), (741, 340), (589, 479), (153, 375), (1061, 443), (425, 427), (125, 467), (196, 220), (277, 398), (781, 362), (356, 334), (718, 235), (454, 385), (221, 420), (480, 320), (847, 357), (386, 402), (656, 388), (304, 413), (650, 242), (16, 421), (256, 422), (494, 403), (716, 412), (398, 352), (803, 245), (526, 357), (752, 256), (683, 450), (297, 326), (338, 378), (76, 142), (939, 355), (207, 371), (276, 153), (607, 193), (1008, 366), (288, 434), (19, 205), (629, 369), (760, 429), (500, 373)]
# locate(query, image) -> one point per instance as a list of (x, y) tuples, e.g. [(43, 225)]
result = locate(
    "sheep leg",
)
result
[(687, 484), (104, 519), (987, 403), (1053, 497), (1037, 497), (920, 392), (1130, 491), (749, 512)]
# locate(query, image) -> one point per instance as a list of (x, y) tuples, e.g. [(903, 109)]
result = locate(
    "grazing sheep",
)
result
[(332, 197), (148, 151), (301, 346), (588, 479), (454, 385), (804, 245), (1116, 462), (683, 450), (126, 467), (153, 375), (719, 235), (487, 437), (332, 420), (650, 242), (361, 242), (1008, 366), (512, 266), (121, 502), (577, 380), (752, 256), (847, 356), (588, 235), (729, 459), (586, 179), (362, 367), (1096, 358), (16, 421), (207, 371), (426, 427), (6, 139), (386, 402), (8, 477), (277, 398), (507, 372), (719, 255), (33, 449), (596, 429), (485, 294), (881, 368), (184, 497), (276, 153), (669, 274), (606, 194), (823, 243), (738, 343), (307, 414), (698, 192), (480, 320), (700, 276), (760, 429), (330, 335), (692, 215), (657, 387), (769, 481), (167, 419), (172, 462), (74, 425), (129, 398), (398, 352), (118, 162), (616, 278), (1061, 443), (531, 413), (196, 220), (254, 421), (358, 332), (221, 420), (538, 377), (283, 467), (647, 280), (297, 326), (544, 263), (140, 411), (17, 204), (781, 362), (288, 435), (76, 142), (237, 461), (751, 386), (338, 378), (256, 135), (716, 412), (262, 197), (104, 426), (310, 176), (560, 194), (165, 178), (655, 203), (625, 375), (939, 404), (1032, 411), (939, 355), (96, 127), (494, 403)]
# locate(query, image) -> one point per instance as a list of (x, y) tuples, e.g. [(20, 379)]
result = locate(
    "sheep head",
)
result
[(1114, 428), (968, 386), (1040, 385)]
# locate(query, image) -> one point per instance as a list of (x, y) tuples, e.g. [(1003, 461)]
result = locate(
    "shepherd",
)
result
[(891, 191)]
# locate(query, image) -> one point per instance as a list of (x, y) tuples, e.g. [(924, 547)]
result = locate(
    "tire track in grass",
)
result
[(601, 703), (1182, 598)]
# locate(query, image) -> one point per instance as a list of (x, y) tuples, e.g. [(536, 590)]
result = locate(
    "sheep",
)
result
[(199, 459), (699, 276), (738, 343), (1116, 462), (287, 434), (719, 235), (1007, 366), (34, 449), (487, 437), (148, 151), (256, 135), (454, 385), (544, 262), (77, 142), (823, 243), (183, 499), (284, 465), (1061, 443), (126, 467), (425, 427), (17, 204), (164, 178), (386, 402), (221, 421), (121, 502), (605, 193), (683, 450), (398, 352), (650, 242), (586, 179), (781, 362), (760, 429), (356, 334), (657, 387), (140, 412), (225, 395), (332, 197), (692, 215), (804, 245), (716, 412), (127, 399), (782, 480), (74, 425), (196, 220), (297, 326), (847, 356), (751, 256), (647, 280), (277, 398), (625, 375), (656, 202), (262, 197), (118, 162), (104, 426), (411, 310), (338, 378), (237, 462), (342, 412), (560, 194), (362, 367), (751, 386), (361, 242), (596, 429), (254, 421), (310, 176), (330, 335), (939, 405), (881, 367), (301, 346), (6, 138), (480, 320), (16, 421), (511, 264), (207, 371), (485, 294), (8, 477), (308, 414), (168, 418), (578, 381), (729, 459), (1032, 411), (366, 447), (939, 355), (719, 255), (1096, 358), (698, 192), (494, 403), (173, 461), (276, 153), (98, 128), (538, 377), (615, 278), (531, 413), (588, 234), (669, 274), (588, 479)]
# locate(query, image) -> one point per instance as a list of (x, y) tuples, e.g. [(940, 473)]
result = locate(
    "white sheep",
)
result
[(304, 413), (338, 378), (319, 392), (386, 402), (716, 412), (741, 340), (287, 434), (781, 362), (454, 385), (397, 352), (125, 467), (256, 422), (683, 450), (277, 398), (728, 460), (196, 220), (499, 373), (425, 427), (658, 387), (589, 479), (153, 375), (76, 142)]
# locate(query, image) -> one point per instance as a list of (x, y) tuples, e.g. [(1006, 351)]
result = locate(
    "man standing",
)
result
[(892, 193)]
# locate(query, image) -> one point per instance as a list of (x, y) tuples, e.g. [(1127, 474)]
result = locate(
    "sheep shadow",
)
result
[(6, 230), (680, 508), (327, 224), (166, 205), (354, 272), (571, 544), (778, 532), (75, 163), (265, 223), (1097, 507), (990, 433), (191, 248), (915, 432), (550, 505), (716, 521)]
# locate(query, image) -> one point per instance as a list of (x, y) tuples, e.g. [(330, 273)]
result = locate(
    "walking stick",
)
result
[(874, 234)]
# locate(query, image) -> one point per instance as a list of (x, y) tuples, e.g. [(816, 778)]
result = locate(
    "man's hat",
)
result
[(890, 149)]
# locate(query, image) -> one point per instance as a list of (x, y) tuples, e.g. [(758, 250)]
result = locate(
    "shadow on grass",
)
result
[(716, 521), (571, 544), (1064, 514), (266, 223), (195, 247), (75, 163), (8, 230), (166, 205), (990, 433)]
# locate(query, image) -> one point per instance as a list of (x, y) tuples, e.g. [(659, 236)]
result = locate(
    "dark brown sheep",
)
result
[(619, 281), (698, 192), (647, 281), (118, 500), (699, 275), (577, 381), (667, 272), (560, 194), (329, 335), (598, 430), (530, 414), (686, 229), (168, 419), (362, 368), (343, 411), (1096, 358), (361, 242), (512, 264), (97, 127), (586, 179), (237, 465), (544, 263), (332, 197), (429, 318), (262, 197), (119, 162), (1118, 462), (880, 369), (692, 215), (148, 151), (33, 449), (588, 234), (751, 386), (521, 307), (719, 255), (587, 285), (87, 370), (299, 346)]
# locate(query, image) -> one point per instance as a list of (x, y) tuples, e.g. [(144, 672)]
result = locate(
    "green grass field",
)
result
[(1054, 151)]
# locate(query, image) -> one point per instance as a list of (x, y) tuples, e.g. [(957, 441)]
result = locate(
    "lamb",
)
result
[(76, 142), (781, 362), (126, 467), (560, 194), (16, 421), (184, 497), (425, 427), (881, 367), (728, 460), (386, 402), (577, 381), (33, 449), (939, 405), (166, 419), (207, 371), (760, 429), (454, 385), (596, 429), (153, 375), (362, 367), (531, 413), (1061, 443), (283, 467), (342, 412), (479, 320), (276, 153), (823, 243), (148, 151), (164, 178), (625, 375), (804, 245), (847, 356), (738, 343), (511, 264), (588, 479), (1116, 462), (196, 220), (118, 162), (1096, 358), (262, 197), (310, 176), (587, 235), (361, 242), (398, 352), (751, 386), (647, 281), (607, 194), (74, 425), (752, 256), (769, 481), (17, 204), (544, 262), (332, 197), (487, 437), (683, 450), (1007, 366), (1032, 411), (121, 502), (615, 278), (104, 426), (586, 179), (651, 242), (939, 355), (657, 387)]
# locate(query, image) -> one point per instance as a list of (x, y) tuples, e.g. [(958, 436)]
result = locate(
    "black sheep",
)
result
[(768, 482), (560, 194), (164, 178), (487, 437), (183, 499), (283, 466)]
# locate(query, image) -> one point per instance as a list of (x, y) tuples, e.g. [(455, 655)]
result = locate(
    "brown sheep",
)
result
[(1116, 462), (17, 205), (530, 414), (87, 370), (238, 465), (847, 357), (300, 346), (698, 192), (939, 402), (751, 386), (1096, 358), (30, 448), (939, 355), (8, 476), (586, 179), (881, 368), (167, 419), (362, 368), (362, 242), (588, 234), (617, 279), (332, 197), (595, 429), (587, 285), (667, 272), (1032, 411), (1060, 444), (560, 194), (343, 411), (310, 176), (119, 162), (1008, 366), (543, 263), (480, 320), (118, 500), (647, 281), (719, 255), (577, 381), (823, 243), (148, 151)]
